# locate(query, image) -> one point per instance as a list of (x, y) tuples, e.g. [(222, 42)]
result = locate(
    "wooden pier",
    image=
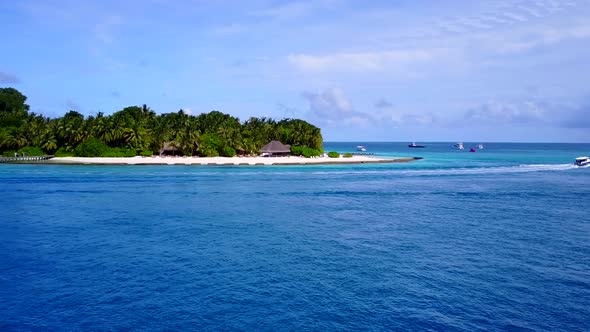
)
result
[(24, 160)]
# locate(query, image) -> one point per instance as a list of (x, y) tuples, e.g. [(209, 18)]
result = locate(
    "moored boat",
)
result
[(458, 146), (414, 145), (361, 148)]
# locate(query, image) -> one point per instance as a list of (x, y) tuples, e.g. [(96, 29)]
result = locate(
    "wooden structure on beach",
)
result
[(276, 148), (24, 160), (169, 149)]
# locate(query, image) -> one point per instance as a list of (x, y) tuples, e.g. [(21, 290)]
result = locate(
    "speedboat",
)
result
[(582, 161), (414, 145), (361, 148), (459, 146)]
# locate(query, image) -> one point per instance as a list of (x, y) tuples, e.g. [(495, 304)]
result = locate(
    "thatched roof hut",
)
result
[(276, 148), (169, 148)]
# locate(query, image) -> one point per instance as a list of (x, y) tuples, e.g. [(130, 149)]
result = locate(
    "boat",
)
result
[(480, 146), (414, 145), (458, 146), (472, 150), (361, 148), (582, 161)]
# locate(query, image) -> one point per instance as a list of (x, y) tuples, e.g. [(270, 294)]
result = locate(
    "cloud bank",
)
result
[(332, 107)]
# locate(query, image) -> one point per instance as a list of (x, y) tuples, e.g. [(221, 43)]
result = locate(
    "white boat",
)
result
[(459, 146), (361, 148), (480, 146), (582, 161)]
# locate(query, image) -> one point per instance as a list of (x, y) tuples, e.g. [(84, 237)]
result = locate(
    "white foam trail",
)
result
[(380, 171), (464, 171), (398, 172)]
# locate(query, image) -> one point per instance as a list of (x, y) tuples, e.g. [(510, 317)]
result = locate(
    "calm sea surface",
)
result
[(493, 240)]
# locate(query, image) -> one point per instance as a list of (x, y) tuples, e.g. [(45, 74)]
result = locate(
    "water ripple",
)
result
[(159, 248)]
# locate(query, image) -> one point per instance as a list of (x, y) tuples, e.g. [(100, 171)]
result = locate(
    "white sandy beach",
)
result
[(289, 160)]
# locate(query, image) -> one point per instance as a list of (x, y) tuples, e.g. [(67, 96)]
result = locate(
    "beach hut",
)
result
[(276, 148), (169, 148), (240, 152)]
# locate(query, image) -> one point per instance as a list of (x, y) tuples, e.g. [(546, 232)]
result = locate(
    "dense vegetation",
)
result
[(333, 154), (140, 131)]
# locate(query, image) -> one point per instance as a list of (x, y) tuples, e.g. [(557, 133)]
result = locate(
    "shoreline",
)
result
[(223, 161)]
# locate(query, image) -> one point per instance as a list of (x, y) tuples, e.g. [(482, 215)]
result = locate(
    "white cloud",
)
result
[(540, 36), (333, 107), (399, 119), (515, 17), (495, 112), (328, 102), (535, 12), (295, 9), (358, 61), (458, 43), (529, 114), (474, 22)]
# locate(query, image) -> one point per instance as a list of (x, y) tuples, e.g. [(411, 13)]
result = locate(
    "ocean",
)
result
[(495, 240)]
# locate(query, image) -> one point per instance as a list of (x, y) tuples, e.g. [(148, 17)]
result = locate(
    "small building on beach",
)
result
[(169, 149), (276, 148)]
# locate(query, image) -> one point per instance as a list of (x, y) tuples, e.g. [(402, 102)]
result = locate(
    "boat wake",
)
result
[(466, 170), (279, 171), (496, 170)]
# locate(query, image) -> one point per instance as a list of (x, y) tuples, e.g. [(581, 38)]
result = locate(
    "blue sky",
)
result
[(360, 70)]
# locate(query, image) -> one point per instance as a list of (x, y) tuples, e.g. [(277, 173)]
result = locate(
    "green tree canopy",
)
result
[(139, 130), (13, 110), (11, 100)]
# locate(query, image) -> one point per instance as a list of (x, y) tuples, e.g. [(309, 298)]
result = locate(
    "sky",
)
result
[(489, 71)]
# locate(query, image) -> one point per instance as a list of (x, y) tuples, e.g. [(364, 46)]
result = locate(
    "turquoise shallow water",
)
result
[(493, 240), (443, 156)]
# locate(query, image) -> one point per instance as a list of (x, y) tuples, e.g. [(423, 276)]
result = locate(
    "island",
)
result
[(138, 135)]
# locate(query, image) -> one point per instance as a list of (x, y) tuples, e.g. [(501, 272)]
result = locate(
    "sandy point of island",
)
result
[(229, 161)]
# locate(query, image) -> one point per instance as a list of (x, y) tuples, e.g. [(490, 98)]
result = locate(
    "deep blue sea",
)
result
[(496, 240)]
